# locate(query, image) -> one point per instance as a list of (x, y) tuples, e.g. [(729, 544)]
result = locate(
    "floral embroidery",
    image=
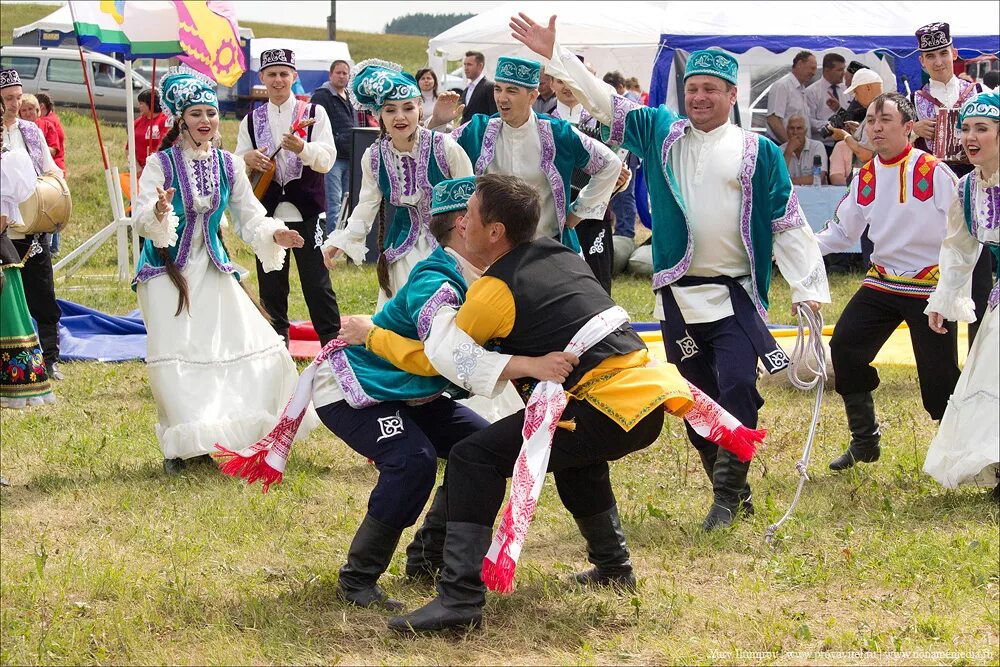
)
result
[(444, 296), (466, 357), (597, 159), (548, 144), (620, 108), (440, 155), (489, 145), (750, 147), (667, 276), (34, 141), (791, 219), (289, 166), (354, 393)]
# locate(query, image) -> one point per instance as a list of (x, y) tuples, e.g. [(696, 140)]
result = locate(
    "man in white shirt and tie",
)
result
[(827, 96), (478, 95), (787, 96)]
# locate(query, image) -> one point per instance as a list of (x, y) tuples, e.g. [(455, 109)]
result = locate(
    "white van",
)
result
[(58, 73)]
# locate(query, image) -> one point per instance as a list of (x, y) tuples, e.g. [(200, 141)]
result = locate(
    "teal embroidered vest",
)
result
[(427, 170), (212, 176), (769, 204), (562, 152), (966, 193), (367, 379)]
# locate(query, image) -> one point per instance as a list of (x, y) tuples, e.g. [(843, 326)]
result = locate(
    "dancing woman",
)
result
[(400, 168), (967, 446), (219, 373)]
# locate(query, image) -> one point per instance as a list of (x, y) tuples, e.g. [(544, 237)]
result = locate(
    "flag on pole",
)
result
[(205, 34)]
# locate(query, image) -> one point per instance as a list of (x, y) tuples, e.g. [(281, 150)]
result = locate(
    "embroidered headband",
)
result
[(453, 195), (713, 63), (374, 82), (518, 71), (182, 88), (985, 105)]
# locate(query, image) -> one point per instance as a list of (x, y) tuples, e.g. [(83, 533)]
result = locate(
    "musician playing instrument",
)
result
[(942, 98), (36, 273), (302, 152)]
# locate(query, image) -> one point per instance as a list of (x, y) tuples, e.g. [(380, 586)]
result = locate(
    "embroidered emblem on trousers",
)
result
[(389, 426), (689, 348)]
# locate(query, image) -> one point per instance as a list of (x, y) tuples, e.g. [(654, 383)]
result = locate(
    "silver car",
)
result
[(58, 73)]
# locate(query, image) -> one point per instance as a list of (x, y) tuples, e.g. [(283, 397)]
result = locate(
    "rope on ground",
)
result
[(806, 371)]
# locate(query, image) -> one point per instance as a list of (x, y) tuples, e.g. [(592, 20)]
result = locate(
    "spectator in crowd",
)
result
[(827, 96), (633, 90), (852, 69), (428, 82), (332, 96), (150, 128), (546, 102), (788, 96), (478, 95), (48, 115), (31, 112), (991, 80), (616, 81), (865, 86), (801, 152)]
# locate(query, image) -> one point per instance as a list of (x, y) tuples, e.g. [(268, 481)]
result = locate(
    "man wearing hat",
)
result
[(723, 205), (39, 285), (944, 90), (296, 195), (540, 149)]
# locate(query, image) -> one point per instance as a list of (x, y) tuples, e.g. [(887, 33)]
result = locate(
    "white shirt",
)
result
[(707, 166), (907, 236), (569, 114), (14, 140), (802, 164), (471, 88), (519, 153), (817, 94), (946, 93), (319, 153), (787, 98)]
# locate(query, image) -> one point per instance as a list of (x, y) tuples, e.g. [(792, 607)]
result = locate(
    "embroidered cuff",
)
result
[(271, 255), (353, 247), (163, 233), (953, 306), (814, 287), (369, 339), (589, 212)]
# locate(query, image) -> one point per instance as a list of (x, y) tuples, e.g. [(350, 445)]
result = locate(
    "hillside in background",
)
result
[(408, 50), (427, 25)]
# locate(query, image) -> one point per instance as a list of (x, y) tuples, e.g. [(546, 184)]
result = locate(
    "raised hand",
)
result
[(446, 108), (288, 238), (540, 39), (163, 199)]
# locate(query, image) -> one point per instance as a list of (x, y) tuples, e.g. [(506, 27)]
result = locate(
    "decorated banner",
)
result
[(204, 34)]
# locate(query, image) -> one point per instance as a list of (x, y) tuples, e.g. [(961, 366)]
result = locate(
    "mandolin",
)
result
[(260, 181)]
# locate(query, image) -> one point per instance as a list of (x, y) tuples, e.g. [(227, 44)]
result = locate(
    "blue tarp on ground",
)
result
[(86, 334)]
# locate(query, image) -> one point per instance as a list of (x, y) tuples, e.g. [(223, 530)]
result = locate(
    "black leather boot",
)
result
[(733, 498), (607, 551), (461, 593), (865, 434), (369, 556), (424, 555)]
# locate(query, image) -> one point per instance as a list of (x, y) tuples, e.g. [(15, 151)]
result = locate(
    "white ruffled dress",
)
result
[(966, 449), (218, 371)]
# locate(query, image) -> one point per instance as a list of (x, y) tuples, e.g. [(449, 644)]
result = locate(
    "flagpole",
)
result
[(124, 270)]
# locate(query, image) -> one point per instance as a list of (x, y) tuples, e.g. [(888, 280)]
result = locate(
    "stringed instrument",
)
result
[(260, 181)]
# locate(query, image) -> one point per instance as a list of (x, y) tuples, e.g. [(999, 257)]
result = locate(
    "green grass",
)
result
[(408, 50)]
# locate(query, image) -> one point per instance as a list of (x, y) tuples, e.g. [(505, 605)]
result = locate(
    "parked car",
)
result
[(59, 73)]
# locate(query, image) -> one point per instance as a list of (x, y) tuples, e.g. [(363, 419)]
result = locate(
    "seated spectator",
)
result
[(865, 86), (801, 152), (48, 116), (787, 96), (842, 162), (150, 128)]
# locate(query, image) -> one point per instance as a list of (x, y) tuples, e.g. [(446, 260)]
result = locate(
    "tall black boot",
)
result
[(733, 498), (424, 555), (865, 435), (367, 559), (708, 461), (607, 551), (461, 593)]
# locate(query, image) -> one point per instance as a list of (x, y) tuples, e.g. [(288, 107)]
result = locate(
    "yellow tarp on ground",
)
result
[(897, 349)]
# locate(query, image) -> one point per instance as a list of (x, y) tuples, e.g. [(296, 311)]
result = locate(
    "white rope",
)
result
[(810, 355)]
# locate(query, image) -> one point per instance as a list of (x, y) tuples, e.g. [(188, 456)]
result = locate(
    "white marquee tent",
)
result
[(621, 36)]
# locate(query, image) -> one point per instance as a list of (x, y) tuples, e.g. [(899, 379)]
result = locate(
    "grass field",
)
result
[(107, 561)]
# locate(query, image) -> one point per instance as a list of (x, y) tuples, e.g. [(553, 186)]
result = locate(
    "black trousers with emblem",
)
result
[(316, 287), (405, 443), (868, 320), (598, 249), (725, 368), (40, 293)]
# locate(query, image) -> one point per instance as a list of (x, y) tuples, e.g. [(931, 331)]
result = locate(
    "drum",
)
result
[(48, 209)]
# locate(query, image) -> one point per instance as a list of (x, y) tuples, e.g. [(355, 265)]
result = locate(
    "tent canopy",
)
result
[(57, 27), (879, 34), (621, 36)]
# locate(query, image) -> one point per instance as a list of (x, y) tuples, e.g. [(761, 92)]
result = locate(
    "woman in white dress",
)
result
[(967, 446), (401, 168), (218, 371)]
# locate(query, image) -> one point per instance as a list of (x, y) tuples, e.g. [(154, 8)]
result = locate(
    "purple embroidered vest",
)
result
[(35, 141), (293, 182)]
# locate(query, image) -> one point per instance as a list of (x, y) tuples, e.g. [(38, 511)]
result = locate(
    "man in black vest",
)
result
[(531, 301), (296, 195), (478, 95)]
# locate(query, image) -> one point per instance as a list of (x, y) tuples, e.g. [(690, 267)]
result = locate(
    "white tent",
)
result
[(621, 36), (62, 21)]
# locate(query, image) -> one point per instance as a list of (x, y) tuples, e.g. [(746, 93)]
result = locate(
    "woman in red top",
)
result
[(150, 128), (55, 139)]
